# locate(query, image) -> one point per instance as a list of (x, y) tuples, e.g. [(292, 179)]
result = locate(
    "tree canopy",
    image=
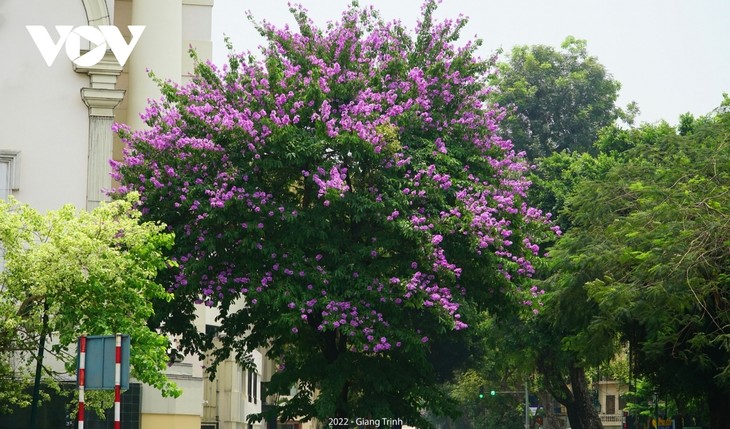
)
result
[(351, 188), (86, 273), (650, 239), (561, 99)]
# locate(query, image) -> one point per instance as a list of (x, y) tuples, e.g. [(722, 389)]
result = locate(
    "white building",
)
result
[(56, 141)]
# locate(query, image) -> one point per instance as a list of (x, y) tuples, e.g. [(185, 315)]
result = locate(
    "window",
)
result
[(249, 384), (252, 386), (622, 402), (8, 172), (255, 387), (610, 404)]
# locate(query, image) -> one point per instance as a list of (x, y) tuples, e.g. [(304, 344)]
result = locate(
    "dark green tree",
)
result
[(566, 350), (650, 244), (561, 99)]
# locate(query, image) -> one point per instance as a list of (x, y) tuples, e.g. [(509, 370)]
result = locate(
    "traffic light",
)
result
[(481, 392), (493, 393)]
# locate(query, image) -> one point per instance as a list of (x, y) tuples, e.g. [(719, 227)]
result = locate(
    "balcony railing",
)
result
[(611, 418)]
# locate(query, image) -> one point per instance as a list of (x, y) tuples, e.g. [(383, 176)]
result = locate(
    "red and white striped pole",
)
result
[(117, 383), (82, 378)]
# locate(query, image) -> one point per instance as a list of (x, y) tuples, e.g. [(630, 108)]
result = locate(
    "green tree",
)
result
[(350, 188), (68, 273), (650, 243), (561, 99), (566, 348), (561, 363)]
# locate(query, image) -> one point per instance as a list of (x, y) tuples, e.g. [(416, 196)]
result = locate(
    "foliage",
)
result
[(90, 273), (557, 175), (556, 181), (650, 243), (561, 98), (563, 101), (496, 366), (561, 335), (616, 369), (350, 188), (501, 410)]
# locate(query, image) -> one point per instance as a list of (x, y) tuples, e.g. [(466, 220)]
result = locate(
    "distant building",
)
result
[(611, 399)]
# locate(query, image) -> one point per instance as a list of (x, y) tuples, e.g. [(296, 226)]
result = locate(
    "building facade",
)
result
[(56, 142), (612, 403)]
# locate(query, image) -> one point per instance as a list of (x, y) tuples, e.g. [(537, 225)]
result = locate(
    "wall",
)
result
[(42, 114), (163, 421), (171, 27)]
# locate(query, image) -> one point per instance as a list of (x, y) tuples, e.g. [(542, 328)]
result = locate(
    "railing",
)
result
[(611, 418)]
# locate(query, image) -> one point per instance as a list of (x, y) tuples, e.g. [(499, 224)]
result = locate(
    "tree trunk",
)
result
[(39, 368), (719, 404), (334, 345), (681, 412), (583, 414), (341, 413), (576, 399)]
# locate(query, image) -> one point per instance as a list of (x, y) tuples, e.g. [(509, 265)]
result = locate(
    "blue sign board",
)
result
[(100, 362)]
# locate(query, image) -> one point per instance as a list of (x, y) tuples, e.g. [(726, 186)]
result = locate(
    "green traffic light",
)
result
[(481, 393), (492, 393)]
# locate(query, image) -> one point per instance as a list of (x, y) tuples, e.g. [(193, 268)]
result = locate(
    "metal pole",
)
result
[(527, 408), (118, 382), (82, 378)]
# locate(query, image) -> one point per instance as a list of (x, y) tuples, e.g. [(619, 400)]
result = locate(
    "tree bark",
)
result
[(334, 345), (719, 404), (582, 413), (39, 368), (576, 398), (343, 416)]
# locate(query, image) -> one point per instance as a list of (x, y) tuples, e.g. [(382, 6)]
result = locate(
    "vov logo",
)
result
[(101, 37)]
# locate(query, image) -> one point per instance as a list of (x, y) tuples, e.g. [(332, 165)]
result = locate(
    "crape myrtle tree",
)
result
[(351, 188)]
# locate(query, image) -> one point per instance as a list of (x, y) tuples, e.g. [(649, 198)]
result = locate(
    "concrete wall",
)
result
[(226, 400), (166, 421), (613, 388), (172, 27), (42, 114)]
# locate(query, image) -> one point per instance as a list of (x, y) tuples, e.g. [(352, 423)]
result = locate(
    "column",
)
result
[(101, 98)]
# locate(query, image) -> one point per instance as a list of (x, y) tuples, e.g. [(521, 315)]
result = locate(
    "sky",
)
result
[(671, 56)]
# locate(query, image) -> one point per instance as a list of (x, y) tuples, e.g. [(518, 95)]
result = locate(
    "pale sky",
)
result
[(671, 56)]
